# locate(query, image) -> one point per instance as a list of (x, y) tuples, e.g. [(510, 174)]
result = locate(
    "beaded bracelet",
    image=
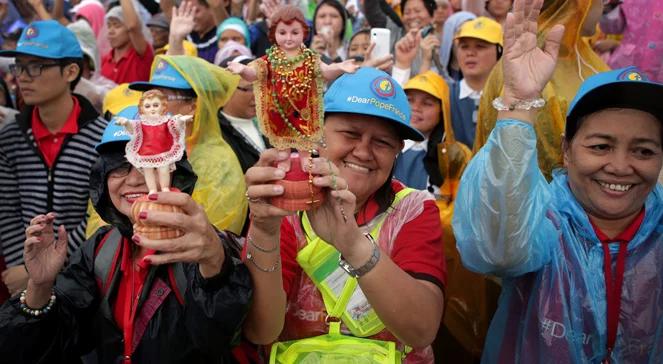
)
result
[(36, 312)]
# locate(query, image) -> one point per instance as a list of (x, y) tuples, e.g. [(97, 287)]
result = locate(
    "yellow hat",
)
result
[(482, 28), (429, 82), (189, 49), (119, 98)]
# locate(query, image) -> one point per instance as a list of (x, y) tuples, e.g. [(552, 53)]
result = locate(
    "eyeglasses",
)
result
[(33, 69), (245, 89), (121, 171), (180, 98)]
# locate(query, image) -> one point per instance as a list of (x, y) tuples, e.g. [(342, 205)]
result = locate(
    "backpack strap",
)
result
[(105, 258), (178, 281)]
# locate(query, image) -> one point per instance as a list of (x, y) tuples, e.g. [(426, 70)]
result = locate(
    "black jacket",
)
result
[(200, 331)]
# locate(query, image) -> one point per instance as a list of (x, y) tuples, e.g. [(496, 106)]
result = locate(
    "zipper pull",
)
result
[(50, 175)]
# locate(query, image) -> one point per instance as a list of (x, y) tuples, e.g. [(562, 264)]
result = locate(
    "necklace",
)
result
[(297, 83)]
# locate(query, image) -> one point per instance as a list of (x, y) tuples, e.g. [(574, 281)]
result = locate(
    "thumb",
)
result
[(553, 40)]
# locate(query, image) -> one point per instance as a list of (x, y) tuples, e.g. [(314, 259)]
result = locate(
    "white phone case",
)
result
[(382, 39)]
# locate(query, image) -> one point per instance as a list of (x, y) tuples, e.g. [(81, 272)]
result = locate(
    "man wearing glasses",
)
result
[(47, 152)]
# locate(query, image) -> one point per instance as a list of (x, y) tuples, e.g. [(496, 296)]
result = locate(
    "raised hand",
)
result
[(383, 63), (44, 255), (182, 21), (406, 49), (527, 68), (428, 46)]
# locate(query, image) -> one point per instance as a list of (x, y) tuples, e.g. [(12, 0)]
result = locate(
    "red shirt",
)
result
[(130, 285), (626, 235), (49, 144), (129, 68)]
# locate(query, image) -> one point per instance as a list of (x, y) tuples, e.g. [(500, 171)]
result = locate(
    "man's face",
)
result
[(159, 37), (42, 80), (476, 57)]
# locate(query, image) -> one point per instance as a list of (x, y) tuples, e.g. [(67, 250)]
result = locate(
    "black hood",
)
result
[(111, 156)]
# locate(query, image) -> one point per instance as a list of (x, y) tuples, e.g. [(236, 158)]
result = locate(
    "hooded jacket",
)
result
[(510, 222), (199, 330)]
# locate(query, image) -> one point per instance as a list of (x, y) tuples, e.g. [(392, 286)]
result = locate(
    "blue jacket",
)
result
[(510, 222)]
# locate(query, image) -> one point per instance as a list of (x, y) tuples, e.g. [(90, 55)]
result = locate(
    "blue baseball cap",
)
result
[(46, 39), (163, 75), (374, 93), (622, 88), (115, 133)]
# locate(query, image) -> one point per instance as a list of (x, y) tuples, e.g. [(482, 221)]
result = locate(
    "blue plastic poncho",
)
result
[(510, 222)]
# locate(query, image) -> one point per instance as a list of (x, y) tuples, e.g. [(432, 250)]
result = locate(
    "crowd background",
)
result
[(445, 54)]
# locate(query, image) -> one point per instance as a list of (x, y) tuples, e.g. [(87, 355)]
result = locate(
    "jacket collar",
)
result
[(566, 204), (88, 113)]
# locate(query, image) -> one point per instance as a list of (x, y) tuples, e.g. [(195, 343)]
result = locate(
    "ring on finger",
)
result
[(252, 200)]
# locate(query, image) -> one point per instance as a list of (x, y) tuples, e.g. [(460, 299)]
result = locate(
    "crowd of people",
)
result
[(489, 189)]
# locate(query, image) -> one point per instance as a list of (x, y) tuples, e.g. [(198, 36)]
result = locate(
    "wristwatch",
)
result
[(372, 262)]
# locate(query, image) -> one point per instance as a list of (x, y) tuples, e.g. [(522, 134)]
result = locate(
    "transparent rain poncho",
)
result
[(220, 187), (510, 222)]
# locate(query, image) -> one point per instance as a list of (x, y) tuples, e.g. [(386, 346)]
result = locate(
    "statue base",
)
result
[(299, 192), (154, 232)]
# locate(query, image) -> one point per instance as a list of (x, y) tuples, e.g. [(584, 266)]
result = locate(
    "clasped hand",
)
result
[(199, 244), (333, 221)]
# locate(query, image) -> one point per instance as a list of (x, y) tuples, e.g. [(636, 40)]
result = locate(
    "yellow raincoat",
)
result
[(576, 62), (220, 187), (470, 297)]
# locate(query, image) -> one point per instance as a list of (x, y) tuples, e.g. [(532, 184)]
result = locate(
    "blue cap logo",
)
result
[(161, 66), (382, 87), (31, 32), (632, 74)]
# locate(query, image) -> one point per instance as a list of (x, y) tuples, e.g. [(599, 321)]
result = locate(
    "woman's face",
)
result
[(612, 168), (415, 15), (126, 185), (442, 12), (426, 111), (228, 35), (359, 45), (364, 148), (289, 37), (499, 8), (328, 17)]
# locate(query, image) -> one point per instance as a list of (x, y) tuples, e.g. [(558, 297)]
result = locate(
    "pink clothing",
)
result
[(93, 12), (641, 23)]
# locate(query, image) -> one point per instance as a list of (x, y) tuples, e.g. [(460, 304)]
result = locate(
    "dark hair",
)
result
[(336, 5), (64, 62), (287, 14), (430, 6)]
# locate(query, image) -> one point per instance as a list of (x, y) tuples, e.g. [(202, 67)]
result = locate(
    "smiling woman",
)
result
[(582, 257), (372, 234)]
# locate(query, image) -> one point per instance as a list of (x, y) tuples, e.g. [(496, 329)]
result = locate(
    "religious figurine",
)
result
[(288, 85), (157, 140)]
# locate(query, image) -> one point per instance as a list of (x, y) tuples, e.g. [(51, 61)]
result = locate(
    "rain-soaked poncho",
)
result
[(510, 222), (576, 62), (220, 187)]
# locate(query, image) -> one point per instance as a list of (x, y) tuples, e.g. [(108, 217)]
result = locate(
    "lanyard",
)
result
[(613, 291)]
